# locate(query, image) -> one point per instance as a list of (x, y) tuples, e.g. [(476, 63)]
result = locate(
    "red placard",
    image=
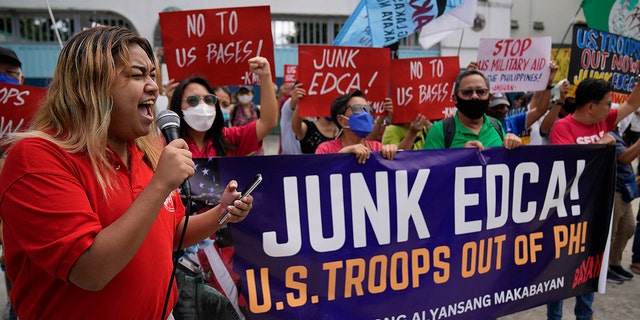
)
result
[(217, 43), (18, 103), (423, 85), (290, 74), (327, 72)]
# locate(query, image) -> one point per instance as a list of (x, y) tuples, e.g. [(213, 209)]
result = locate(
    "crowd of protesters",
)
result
[(217, 122)]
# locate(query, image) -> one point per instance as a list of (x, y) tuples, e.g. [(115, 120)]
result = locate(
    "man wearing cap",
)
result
[(498, 108), (520, 123), (10, 67)]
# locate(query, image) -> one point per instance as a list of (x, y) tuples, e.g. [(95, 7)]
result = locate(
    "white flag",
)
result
[(457, 18)]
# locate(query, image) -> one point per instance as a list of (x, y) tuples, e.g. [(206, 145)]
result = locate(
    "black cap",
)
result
[(9, 56)]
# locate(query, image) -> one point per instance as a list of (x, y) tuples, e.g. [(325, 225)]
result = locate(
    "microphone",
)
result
[(169, 123)]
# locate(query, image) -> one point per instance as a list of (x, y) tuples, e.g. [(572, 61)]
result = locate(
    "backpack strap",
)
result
[(449, 128), (496, 125)]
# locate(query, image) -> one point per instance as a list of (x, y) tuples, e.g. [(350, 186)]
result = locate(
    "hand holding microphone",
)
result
[(175, 163)]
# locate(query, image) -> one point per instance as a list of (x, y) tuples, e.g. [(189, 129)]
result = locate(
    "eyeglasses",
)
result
[(358, 108), (194, 100), (468, 93)]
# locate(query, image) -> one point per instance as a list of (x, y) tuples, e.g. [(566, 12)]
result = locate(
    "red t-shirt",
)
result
[(52, 209), (334, 146), (245, 138), (569, 131)]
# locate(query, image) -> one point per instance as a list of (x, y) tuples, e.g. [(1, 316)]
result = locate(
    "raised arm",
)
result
[(268, 104), (629, 106), (554, 111), (416, 125), (540, 100), (297, 125), (379, 122)]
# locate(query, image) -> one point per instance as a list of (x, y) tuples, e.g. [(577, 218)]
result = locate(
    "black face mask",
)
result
[(473, 109)]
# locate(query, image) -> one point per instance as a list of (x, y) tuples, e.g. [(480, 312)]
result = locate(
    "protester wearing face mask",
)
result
[(10, 67), (245, 110), (224, 98), (202, 126), (202, 119), (352, 114), (472, 127)]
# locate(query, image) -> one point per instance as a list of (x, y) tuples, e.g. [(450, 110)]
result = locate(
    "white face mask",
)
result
[(245, 98), (200, 117)]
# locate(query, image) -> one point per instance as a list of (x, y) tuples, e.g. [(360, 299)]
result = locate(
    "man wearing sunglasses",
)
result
[(353, 116), (473, 128)]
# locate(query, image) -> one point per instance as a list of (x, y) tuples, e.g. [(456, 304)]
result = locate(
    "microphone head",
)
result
[(167, 119)]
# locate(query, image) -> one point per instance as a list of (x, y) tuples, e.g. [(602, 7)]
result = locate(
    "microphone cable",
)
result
[(187, 193)]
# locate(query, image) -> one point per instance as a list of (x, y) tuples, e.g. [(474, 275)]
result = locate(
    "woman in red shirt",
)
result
[(202, 121), (88, 195)]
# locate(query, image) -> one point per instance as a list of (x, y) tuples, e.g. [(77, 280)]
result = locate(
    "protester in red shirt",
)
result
[(202, 122), (203, 128), (352, 114), (88, 194), (589, 124)]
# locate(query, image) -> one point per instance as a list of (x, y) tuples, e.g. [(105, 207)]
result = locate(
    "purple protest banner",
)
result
[(432, 234)]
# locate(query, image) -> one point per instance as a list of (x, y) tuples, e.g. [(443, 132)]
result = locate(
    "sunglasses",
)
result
[(468, 93), (358, 108), (194, 100)]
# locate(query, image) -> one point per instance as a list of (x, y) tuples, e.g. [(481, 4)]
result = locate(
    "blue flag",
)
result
[(379, 23)]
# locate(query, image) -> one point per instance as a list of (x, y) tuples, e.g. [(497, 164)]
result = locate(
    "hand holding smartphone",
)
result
[(247, 191)]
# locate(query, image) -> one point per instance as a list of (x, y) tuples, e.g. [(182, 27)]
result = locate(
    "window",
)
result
[(36, 26)]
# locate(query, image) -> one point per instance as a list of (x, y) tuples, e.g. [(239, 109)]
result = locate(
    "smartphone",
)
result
[(247, 191)]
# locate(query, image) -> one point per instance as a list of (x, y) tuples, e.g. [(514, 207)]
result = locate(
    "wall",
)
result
[(556, 16)]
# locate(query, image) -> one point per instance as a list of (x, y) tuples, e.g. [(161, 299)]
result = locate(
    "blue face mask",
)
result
[(7, 79), (225, 115), (361, 124)]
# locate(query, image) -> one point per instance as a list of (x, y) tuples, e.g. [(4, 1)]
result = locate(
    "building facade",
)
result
[(26, 25)]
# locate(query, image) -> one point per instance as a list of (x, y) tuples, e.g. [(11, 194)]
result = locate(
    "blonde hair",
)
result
[(77, 111)]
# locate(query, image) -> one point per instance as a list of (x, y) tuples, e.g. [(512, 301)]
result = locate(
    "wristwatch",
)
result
[(558, 102)]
